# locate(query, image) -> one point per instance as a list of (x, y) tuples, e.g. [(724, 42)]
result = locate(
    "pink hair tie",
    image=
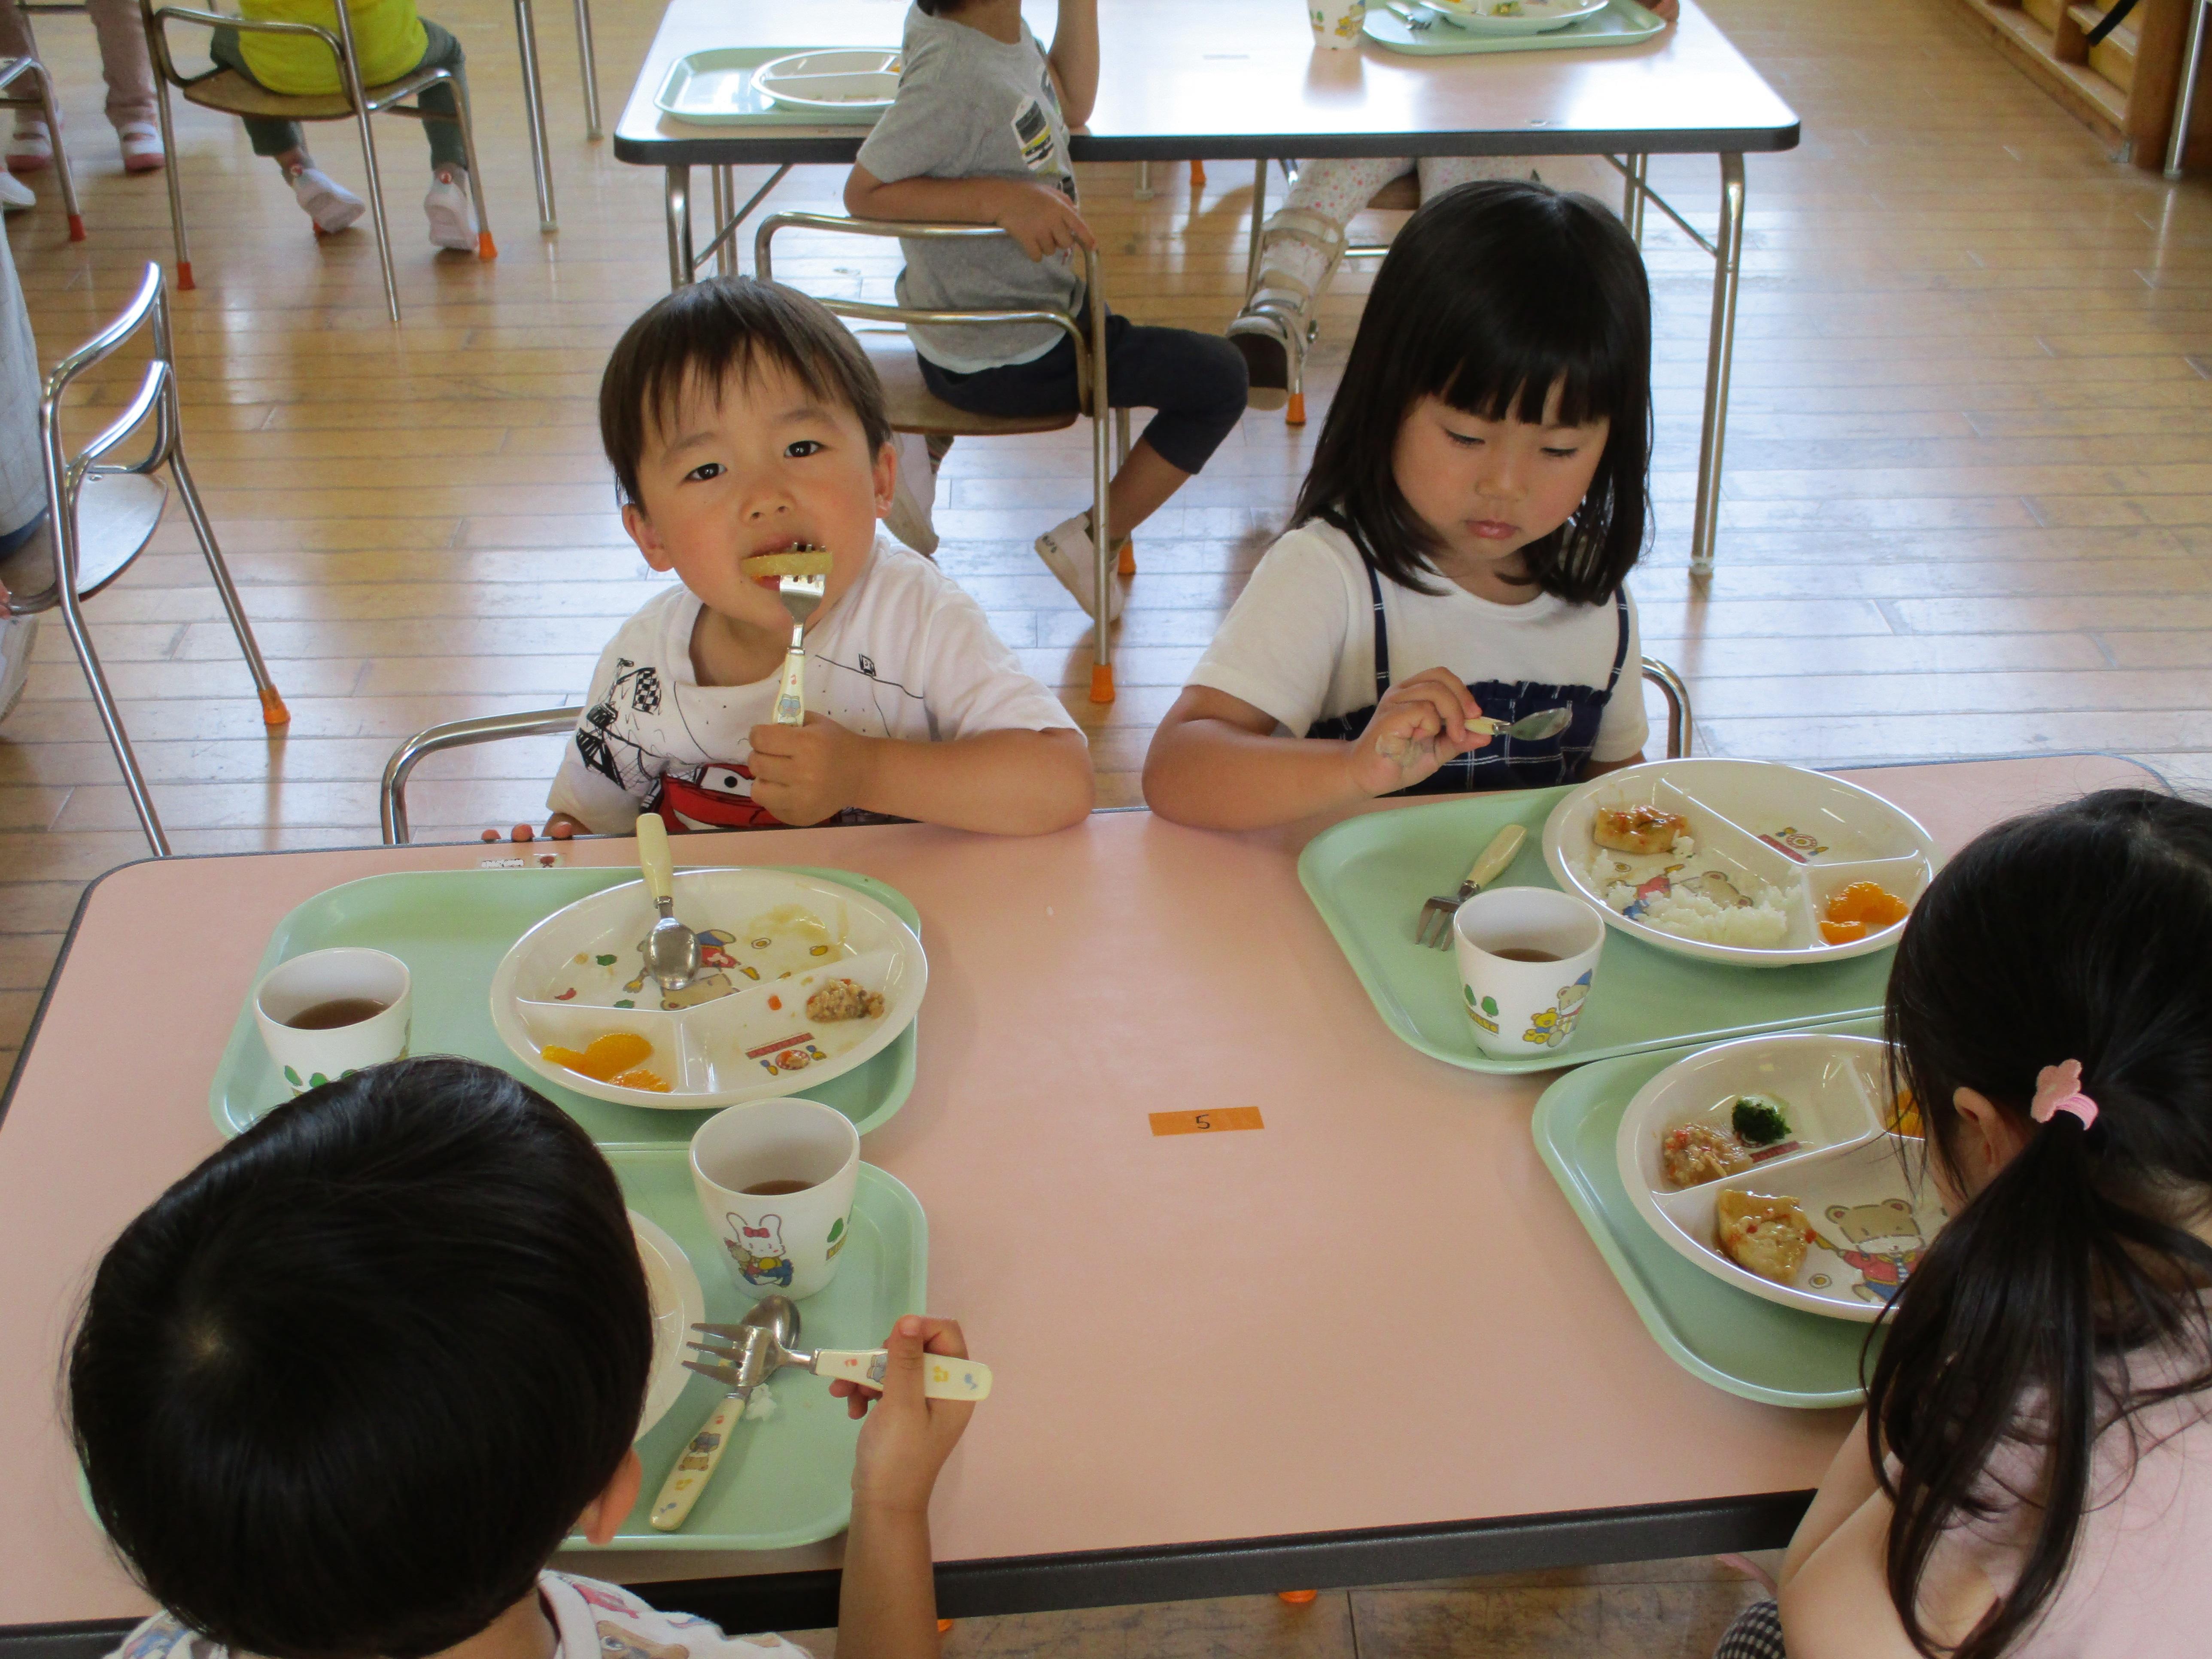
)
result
[(2058, 1089)]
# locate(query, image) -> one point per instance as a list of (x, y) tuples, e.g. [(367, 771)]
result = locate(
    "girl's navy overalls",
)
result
[(1505, 762)]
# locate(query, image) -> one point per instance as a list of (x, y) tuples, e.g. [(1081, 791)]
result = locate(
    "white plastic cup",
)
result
[(309, 1059), (778, 1242), (1521, 1008), (1337, 23)]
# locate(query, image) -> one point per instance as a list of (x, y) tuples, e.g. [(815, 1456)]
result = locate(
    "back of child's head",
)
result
[(699, 338), (2081, 934), (341, 1390), (1494, 295)]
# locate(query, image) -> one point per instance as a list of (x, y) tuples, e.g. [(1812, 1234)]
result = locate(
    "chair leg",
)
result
[(273, 712), (1101, 661), (103, 700), (61, 154), (486, 248), (376, 214), (533, 113), (170, 167), (1128, 559), (584, 56), (1198, 175)]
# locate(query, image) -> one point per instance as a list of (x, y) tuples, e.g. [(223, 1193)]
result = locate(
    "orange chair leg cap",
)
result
[(184, 274), (76, 226), (1127, 566), (1198, 173), (273, 712), (1296, 414), (1297, 1598), (485, 250), (943, 1625), (1102, 681)]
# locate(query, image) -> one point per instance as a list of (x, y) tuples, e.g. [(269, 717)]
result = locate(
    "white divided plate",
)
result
[(843, 79), (769, 939), (678, 1304), (1752, 823), (1872, 1208), (1527, 17)]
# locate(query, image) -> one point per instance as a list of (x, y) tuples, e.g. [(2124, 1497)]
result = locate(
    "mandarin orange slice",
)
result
[(603, 1056)]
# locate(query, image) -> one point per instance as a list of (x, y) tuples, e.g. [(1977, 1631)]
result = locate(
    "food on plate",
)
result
[(793, 562), (652, 1082), (1708, 906), (841, 999), (1766, 1235), (1760, 1120), (1859, 909), (1506, 9), (1636, 829), (1693, 1153), (603, 1056), (1905, 1117)]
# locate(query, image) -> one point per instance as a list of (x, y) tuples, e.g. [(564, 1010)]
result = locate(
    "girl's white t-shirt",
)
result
[(1300, 643)]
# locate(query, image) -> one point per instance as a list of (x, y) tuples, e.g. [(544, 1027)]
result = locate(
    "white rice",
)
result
[(1762, 925)]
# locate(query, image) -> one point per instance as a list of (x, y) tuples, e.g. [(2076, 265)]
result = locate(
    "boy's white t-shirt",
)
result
[(904, 653), (591, 1620), (1300, 643)]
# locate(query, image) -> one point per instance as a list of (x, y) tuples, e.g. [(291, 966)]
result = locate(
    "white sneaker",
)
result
[(915, 493), (14, 194), (142, 146), (1068, 553), (17, 636), (453, 214), (325, 200), (32, 146)]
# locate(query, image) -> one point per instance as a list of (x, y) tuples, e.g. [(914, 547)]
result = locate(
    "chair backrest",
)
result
[(391, 798), (156, 19), (1681, 727), (1089, 349), (156, 396)]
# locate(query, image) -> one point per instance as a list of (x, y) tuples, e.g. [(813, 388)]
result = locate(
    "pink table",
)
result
[(1496, 1403)]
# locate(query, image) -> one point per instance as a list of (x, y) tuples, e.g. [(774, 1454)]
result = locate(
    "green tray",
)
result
[(787, 1479), (1715, 1331), (1369, 877), (1624, 23), (450, 927), (752, 108)]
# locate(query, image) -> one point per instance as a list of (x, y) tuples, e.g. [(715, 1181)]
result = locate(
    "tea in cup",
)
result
[(776, 1180), (326, 1014), (1527, 958)]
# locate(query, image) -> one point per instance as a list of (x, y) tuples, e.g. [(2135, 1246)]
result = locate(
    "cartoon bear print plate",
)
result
[(1757, 857), (801, 979), (1810, 1129)]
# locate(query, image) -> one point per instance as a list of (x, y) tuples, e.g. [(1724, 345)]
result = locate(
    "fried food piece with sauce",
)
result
[(1637, 829), (1694, 1153), (794, 561), (1766, 1235), (843, 1000)]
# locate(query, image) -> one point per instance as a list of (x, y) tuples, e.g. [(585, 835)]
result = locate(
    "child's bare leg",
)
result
[(1139, 489)]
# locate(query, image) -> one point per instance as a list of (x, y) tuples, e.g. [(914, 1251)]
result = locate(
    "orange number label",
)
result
[(1199, 1123)]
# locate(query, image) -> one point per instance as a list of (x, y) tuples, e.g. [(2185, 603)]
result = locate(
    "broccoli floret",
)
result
[(1759, 1120)]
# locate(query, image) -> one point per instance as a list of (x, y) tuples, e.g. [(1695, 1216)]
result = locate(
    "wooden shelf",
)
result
[(2124, 88)]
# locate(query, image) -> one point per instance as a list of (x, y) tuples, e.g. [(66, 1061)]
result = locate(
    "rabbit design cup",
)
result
[(786, 1239)]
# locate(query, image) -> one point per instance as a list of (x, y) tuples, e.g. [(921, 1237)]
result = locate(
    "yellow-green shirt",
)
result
[(387, 33)]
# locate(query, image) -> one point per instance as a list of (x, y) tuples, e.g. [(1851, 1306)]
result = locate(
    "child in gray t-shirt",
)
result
[(978, 134)]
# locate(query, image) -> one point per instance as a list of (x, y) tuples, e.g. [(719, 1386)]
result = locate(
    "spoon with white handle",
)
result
[(1529, 728), (672, 949)]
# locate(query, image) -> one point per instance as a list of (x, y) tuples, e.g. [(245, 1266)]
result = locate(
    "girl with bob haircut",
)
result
[(2032, 1476), (1461, 544)]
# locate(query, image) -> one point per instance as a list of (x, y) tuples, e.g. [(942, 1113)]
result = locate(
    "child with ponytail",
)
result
[(2032, 1477)]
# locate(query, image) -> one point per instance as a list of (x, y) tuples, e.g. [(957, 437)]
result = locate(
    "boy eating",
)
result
[(742, 420), (342, 1391)]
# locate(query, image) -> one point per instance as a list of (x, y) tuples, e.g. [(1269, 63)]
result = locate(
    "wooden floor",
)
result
[(1968, 511)]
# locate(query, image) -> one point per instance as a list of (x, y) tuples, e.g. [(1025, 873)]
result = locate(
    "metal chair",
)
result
[(228, 91), (13, 70), (914, 408), (101, 517), (391, 800), (533, 99)]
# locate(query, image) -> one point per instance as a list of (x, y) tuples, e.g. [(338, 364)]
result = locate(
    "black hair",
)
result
[(2076, 934), (702, 334), (341, 1390), (1494, 293)]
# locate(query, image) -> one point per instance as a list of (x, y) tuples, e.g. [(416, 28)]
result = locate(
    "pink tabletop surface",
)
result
[(1192, 1334)]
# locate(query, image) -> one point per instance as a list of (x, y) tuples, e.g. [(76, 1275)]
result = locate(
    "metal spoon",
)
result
[(800, 596), (672, 949), (759, 1338), (725, 1347), (1529, 728)]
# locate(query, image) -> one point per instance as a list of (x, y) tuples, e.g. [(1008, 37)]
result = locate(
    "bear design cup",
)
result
[(786, 1241), (1527, 959)]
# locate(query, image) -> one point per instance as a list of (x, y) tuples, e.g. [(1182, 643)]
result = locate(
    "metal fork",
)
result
[(1435, 926), (800, 596), (1416, 18), (722, 1349)]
